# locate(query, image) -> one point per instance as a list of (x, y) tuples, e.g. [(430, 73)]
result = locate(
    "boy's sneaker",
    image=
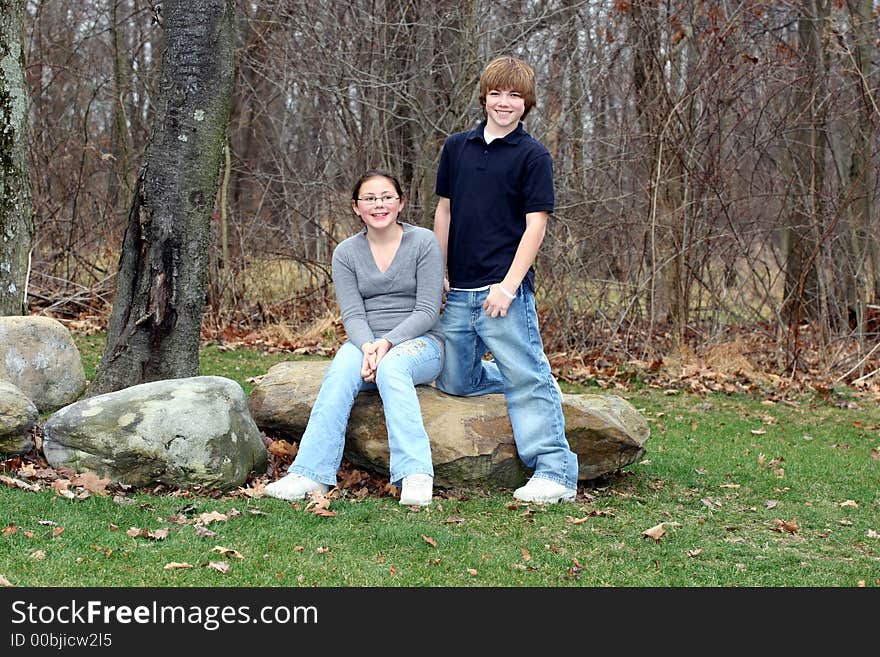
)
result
[(544, 491), (294, 487), (416, 490)]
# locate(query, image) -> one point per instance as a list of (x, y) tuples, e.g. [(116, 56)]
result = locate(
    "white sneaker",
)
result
[(294, 487), (416, 490), (544, 491)]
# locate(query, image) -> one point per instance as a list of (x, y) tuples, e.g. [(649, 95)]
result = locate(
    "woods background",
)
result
[(716, 162)]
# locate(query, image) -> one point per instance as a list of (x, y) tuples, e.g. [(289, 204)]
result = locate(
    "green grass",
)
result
[(238, 364), (721, 473)]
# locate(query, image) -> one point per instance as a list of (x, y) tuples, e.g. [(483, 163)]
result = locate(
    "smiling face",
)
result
[(504, 109), (381, 213), (513, 76)]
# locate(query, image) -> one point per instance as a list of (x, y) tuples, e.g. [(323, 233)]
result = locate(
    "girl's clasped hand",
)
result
[(373, 353)]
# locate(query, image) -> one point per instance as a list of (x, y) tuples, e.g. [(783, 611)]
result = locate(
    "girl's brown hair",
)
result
[(375, 173)]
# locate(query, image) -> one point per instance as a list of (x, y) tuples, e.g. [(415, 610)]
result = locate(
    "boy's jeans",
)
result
[(405, 365), (520, 370)]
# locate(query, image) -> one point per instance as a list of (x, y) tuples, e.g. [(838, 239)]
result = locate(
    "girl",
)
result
[(389, 286)]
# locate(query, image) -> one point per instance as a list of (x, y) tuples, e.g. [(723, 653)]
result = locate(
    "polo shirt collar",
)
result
[(511, 138)]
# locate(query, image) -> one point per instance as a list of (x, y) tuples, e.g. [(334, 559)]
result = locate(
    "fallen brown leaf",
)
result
[(283, 448), (11, 528), (430, 541), (577, 521), (62, 488), (352, 478), (472, 571), (176, 565), (4, 581), (18, 483), (318, 501), (851, 503), (91, 482), (694, 553), (526, 555), (219, 566), (453, 519), (790, 526), (227, 552), (39, 555), (201, 530), (213, 516), (255, 491), (656, 532), (322, 550)]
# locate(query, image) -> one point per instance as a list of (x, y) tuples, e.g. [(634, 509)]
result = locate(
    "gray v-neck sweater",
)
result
[(399, 304)]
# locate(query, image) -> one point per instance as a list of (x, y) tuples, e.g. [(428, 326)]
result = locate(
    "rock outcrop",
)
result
[(471, 438), (17, 417), (39, 357), (184, 432)]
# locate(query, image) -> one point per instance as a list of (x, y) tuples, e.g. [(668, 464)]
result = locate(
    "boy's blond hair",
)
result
[(507, 73)]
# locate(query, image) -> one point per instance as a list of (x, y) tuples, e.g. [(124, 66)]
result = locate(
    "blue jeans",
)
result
[(520, 370), (406, 365)]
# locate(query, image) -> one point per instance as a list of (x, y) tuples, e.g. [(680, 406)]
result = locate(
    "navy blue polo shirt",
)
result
[(491, 187)]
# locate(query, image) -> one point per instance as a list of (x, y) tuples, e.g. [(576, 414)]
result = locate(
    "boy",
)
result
[(495, 184)]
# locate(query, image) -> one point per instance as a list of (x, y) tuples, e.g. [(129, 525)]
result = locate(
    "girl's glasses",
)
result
[(372, 200)]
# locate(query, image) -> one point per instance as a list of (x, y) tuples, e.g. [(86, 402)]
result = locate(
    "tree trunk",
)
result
[(859, 177), (119, 186), (16, 223), (668, 298), (805, 222), (160, 288)]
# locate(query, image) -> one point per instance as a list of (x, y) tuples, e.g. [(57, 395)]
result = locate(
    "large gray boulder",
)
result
[(17, 417), (39, 357), (471, 438), (184, 432)]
